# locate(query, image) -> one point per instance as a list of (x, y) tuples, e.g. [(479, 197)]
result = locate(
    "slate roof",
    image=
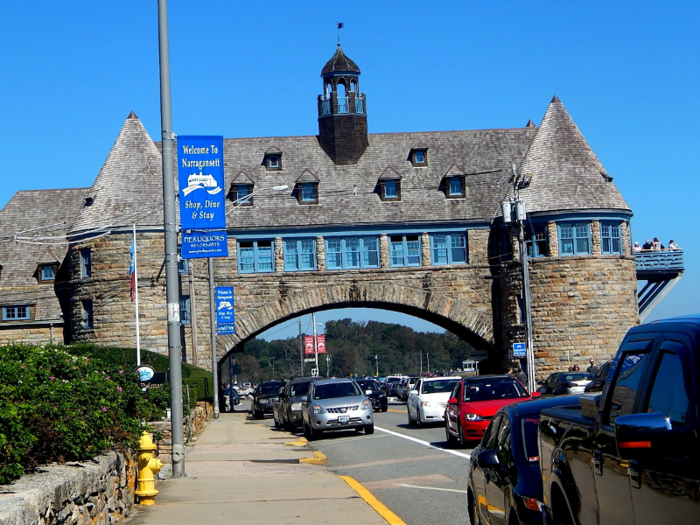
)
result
[(129, 187), (339, 63), (564, 173), (52, 211)]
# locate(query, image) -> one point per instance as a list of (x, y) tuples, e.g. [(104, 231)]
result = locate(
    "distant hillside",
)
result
[(352, 347)]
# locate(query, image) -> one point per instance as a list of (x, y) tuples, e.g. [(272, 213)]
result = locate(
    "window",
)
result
[(419, 157), (255, 256), (455, 187), (273, 162), (536, 240), (390, 190), (185, 309), (14, 313), (627, 382), (448, 248), (299, 254), (88, 321), (352, 252), (490, 438), (668, 392), (574, 238), (86, 263), (404, 250), (610, 237), (308, 192), (241, 194), (47, 272)]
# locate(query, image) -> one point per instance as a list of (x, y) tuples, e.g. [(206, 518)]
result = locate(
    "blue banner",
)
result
[(519, 350), (200, 162), (225, 329), (224, 304), (198, 245)]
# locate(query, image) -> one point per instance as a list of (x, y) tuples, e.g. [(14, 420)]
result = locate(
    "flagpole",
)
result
[(136, 301)]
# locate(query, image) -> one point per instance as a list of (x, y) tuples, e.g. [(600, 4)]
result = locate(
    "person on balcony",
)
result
[(656, 246), (636, 247), (672, 246), (646, 245)]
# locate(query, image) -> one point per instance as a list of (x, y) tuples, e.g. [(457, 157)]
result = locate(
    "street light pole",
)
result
[(170, 234)]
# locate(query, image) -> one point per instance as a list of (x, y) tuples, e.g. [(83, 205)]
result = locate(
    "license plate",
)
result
[(343, 419)]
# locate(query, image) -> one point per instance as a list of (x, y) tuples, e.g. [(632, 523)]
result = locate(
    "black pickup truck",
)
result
[(630, 454)]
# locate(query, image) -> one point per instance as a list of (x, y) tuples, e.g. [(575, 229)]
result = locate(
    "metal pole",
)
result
[(170, 233), (193, 314), (136, 302), (301, 349), (212, 322), (313, 320), (529, 350)]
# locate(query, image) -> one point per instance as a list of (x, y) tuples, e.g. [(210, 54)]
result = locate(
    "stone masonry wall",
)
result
[(82, 493)]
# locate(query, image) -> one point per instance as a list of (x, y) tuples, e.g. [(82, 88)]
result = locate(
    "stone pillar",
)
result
[(596, 248), (625, 235), (426, 258), (320, 253), (552, 239), (384, 261), (279, 254), (233, 252)]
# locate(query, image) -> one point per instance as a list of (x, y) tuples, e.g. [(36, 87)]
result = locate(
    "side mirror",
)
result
[(536, 394), (414, 392), (488, 459), (453, 401), (639, 435), (540, 382)]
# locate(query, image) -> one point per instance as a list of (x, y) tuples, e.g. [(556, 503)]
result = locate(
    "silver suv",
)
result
[(335, 404)]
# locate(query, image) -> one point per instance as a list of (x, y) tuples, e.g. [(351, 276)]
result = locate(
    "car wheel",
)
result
[(451, 440), (277, 424), (419, 419), (471, 509), (460, 436), (410, 419), (309, 433), (369, 429)]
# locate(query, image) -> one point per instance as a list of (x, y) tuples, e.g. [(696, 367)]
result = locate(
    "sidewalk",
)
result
[(241, 471)]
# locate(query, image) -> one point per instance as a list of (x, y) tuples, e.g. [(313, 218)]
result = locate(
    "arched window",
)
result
[(342, 97), (353, 86)]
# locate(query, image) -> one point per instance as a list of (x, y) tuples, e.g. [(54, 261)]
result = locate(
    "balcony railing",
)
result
[(343, 105), (326, 106), (663, 261)]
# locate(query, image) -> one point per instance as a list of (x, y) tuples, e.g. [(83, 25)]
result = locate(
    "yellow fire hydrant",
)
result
[(149, 466)]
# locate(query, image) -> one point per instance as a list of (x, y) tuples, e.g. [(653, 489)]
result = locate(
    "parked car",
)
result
[(231, 394), (376, 394), (599, 378), (565, 383), (427, 401), (336, 404), (392, 388), (631, 455), (264, 395), (504, 484), (286, 411), (473, 403), (405, 387)]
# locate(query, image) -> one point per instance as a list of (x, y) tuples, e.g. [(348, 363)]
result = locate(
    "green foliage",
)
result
[(56, 406)]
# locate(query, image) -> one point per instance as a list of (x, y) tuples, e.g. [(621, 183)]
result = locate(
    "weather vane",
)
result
[(340, 26)]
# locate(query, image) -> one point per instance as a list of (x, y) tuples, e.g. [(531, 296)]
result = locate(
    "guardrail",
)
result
[(670, 260)]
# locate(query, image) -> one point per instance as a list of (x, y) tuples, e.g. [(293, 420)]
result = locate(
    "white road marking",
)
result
[(425, 443), (430, 488)]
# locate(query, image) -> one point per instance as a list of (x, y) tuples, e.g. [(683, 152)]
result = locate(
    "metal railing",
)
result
[(343, 106), (668, 260)]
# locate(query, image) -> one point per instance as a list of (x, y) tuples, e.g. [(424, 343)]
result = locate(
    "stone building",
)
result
[(408, 221)]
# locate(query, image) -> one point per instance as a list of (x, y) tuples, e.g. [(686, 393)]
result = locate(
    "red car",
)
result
[(473, 403)]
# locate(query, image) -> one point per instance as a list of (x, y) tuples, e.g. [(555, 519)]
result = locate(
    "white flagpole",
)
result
[(136, 300)]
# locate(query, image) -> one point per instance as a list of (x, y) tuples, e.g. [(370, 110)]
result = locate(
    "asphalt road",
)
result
[(409, 469)]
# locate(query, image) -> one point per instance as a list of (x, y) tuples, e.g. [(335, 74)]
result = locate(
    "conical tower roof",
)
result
[(562, 170), (339, 63), (129, 187)]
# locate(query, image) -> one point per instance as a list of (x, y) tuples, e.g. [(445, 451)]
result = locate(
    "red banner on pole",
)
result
[(321, 342), (309, 344)]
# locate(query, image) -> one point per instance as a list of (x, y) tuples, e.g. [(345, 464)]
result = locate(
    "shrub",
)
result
[(55, 406)]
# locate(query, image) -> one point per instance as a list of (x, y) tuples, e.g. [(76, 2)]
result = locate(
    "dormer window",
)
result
[(240, 193), (47, 272), (419, 157), (455, 187), (273, 159), (306, 188), (390, 190)]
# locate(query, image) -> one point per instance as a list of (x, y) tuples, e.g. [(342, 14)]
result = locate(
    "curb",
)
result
[(320, 459), (378, 506), (301, 443)]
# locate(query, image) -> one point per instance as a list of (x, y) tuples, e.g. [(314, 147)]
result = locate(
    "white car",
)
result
[(427, 401)]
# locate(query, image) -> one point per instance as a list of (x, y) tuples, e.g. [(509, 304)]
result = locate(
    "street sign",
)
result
[(199, 245), (225, 329), (519, 350), (310, 360), (224, 305), (201, 182)]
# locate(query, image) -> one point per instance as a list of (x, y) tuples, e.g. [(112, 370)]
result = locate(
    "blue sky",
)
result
[(628, 72)]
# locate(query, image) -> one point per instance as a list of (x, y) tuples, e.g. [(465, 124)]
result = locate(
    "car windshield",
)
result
[(529, 428), (299, 389), (576, 377), (490, 389), (270, 388), (443, 386), (331, 390), (369, 385)]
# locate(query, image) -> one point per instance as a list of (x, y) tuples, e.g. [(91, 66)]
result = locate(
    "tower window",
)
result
[(405, 250), (86, 263), (536, 240), (610, 237), (448, 248), (88, 319), (419, 158), (255, 256), (390, 190), (574, 238), (299, 254)]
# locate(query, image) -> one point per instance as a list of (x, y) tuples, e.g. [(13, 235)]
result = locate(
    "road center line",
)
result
[(431, 488), (424, 443)]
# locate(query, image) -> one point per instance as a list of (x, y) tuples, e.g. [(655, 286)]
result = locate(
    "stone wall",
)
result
[(193, 426), (39, 335), (97, 491)]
